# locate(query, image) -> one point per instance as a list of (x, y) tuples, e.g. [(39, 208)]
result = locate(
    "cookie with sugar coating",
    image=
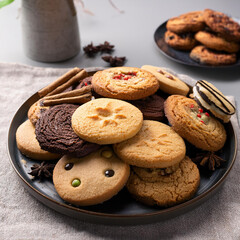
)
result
[(156, 145), (193, 124), (28, 144), (126, 83), (92, 179), (167, 81), (106, 121), (166, 191)]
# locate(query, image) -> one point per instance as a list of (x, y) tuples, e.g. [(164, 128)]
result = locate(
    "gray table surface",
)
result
[(132, 34)]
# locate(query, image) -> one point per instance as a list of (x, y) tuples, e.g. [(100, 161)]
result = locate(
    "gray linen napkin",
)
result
[(24, 217)]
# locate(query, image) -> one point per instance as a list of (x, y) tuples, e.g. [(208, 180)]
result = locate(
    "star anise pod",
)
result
[(106, 47), (91, 50), (114, 61), (208, 160), (43, 170)]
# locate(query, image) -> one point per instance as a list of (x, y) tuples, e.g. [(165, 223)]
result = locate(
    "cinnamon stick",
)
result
[(61, 80), (79, 76), (76, 99)]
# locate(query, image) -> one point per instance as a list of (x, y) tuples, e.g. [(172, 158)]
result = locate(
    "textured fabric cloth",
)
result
[(24, 217)]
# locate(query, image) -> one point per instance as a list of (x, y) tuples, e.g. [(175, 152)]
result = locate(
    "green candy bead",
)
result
[(76, 182)]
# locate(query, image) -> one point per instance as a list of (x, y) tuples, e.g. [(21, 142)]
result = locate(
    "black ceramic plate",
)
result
[(121, 209), (181, 56)]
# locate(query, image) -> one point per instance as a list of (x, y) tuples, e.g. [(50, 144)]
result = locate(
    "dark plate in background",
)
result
[(121, 209), (181, 56)]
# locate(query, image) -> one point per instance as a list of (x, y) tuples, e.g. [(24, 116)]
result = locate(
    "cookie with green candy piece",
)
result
[(92, 179)]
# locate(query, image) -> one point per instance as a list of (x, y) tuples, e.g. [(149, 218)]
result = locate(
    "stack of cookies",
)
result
[(212, 37), (105, 133)]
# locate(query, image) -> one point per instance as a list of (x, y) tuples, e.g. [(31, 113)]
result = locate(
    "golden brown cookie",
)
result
[(35, 111), (167, 81), (193, 124), (125, 83), (204, 55), (210, 98), (184, 41), (28, 144), (222, 24), (212, 41), (92, 179), (166, 191), (187, 22), (106, 121), (156, 145)]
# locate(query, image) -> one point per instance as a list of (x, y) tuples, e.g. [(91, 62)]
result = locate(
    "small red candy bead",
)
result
[(198, 115), (202, 121), (200, 110), (192, 106), (207, 114)]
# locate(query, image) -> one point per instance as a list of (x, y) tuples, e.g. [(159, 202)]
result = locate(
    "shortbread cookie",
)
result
[(212, 41), (192, 123), (167, 81), (222, 24), (55, 134), (184, 41), (35, 111), (204, 55), (152, 107), (28, 144), (168, 190), (106, 121), (210, 98), (125, 83), (92, 179), (156, 145), (188, 22)]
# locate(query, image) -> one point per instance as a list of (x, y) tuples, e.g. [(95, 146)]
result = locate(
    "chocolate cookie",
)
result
[(222, 24), (55, 134), (184, 41), (151, 107), (204, 55)]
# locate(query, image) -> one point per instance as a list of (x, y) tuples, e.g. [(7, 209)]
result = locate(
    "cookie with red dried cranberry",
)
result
[(222, 24), (126, 83), (193, 124), (204, 55), (184, 41), (92, 179), (213, 41), (168, 82), (187, 22)]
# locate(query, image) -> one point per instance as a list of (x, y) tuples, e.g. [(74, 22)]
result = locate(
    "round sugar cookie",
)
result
[(28, 144), (126, 83), (166, 191), (106, 121), (167, 81), (92, 179), (156, 145), (193, 124)]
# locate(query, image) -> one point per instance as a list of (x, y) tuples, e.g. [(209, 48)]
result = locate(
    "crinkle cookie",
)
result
[(212, 41), (167, 81), (169, 190), (187, 22), (222, 24), (55, 134), (156, 145), (204, 55), (92, 179), (28, 144), (106, 121), (126, 83), (184, 41), (193, 124)]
